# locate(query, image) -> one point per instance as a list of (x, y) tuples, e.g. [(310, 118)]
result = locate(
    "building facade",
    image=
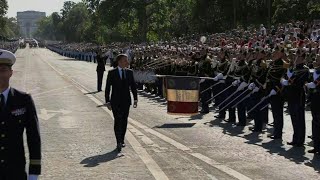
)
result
[(27, 21)]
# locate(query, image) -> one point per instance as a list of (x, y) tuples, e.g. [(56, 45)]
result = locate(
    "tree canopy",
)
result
[(8, 26), (104, 21)]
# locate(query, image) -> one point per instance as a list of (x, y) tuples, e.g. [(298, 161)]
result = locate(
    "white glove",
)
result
[(252, 86), (215, 78), (289, 74), (235, 83), (33, 177), (222, 81), (311, 85), (256, 89), (219, 76), (284, 82), (202, 80), (242, 86), (272, 93)]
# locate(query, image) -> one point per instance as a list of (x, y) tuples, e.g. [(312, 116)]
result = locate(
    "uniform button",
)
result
[(2, 148), (2, 161), (3, 135), (2, 123)]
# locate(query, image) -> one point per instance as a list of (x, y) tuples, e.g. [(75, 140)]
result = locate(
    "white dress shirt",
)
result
[(120, 72), (6, 94)]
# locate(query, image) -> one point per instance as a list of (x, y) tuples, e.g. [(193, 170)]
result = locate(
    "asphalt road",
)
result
[(79, 143)]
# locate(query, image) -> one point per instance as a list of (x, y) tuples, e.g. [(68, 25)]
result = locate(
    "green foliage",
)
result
[(8, 26), (105, 21), (67, 6), (3, 11)]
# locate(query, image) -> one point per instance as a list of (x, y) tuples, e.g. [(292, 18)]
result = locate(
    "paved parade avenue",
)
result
[(78, 141)]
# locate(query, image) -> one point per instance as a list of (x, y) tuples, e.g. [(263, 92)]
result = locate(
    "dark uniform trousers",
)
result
[(242, 108), (316, 129), (277, 104), (315, 111), (159, 82), (100, 71), (205, 96), (222, 97), (297, 114), (260, 117), (100, 79)]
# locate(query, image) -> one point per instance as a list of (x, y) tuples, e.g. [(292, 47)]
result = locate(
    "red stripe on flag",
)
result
[(183, 107)]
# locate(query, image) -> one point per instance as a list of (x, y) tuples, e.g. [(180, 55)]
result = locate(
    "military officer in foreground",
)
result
[(17, 113)]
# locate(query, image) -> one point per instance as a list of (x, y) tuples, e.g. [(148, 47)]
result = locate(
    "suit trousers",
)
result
[(120, 114), (100, 79)]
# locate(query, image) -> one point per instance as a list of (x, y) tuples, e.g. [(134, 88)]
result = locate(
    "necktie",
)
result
[(2, 103), (122, 74)]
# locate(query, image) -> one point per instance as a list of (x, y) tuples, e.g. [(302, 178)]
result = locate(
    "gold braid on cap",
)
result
[(5, 61)]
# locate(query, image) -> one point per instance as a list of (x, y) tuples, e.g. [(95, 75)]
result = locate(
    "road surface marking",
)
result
[(48, 114), (37, 95), (45, 115)]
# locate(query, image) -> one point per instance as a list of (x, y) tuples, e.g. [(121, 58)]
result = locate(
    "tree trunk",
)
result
[(143, 23)]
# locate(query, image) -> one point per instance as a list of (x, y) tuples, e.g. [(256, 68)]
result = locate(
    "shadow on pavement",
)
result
[(153, 97), (176, 125), (294, 154), (314, 163), (94, 92), (196, 117), (98, 159)]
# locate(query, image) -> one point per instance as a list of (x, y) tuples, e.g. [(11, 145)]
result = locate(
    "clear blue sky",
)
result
[(48, 6)]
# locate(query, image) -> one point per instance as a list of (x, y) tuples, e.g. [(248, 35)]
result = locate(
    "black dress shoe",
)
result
[(204, 112), (310, 137), (258, 131), (254, 130), (123, 145), (240, 125), (295, 144), (249, 117), (314, 151), (229, 121), (274, 137), (119, 147), (271, 124), (220, 117)]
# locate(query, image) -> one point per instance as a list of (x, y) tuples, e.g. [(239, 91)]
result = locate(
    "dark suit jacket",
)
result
[(120, 88), (19, 115), (101, 64)]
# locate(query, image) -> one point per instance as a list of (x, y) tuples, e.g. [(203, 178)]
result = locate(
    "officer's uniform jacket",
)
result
[(19, 115)]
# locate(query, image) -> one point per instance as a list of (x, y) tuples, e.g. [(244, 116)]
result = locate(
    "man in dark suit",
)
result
[(121, 80), (100, 69), (17, 113)]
